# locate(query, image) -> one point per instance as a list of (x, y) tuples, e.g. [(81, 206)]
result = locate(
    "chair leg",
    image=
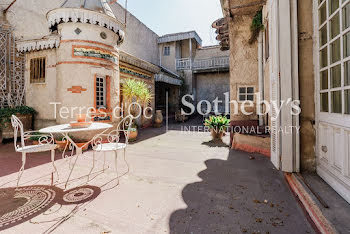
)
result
[(93, 165), (116, 164), (126, 162), (53, 164), (104, 161), (20, 173)]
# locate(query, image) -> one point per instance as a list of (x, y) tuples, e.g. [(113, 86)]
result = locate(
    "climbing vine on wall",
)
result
[(256, 27)]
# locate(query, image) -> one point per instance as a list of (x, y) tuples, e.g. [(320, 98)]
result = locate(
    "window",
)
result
[(166, 51), (101, 92), (37, 70), (245, 94), (334, 53)]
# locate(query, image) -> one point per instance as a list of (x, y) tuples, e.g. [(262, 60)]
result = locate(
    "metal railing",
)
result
[(183, 64), (203, 64)]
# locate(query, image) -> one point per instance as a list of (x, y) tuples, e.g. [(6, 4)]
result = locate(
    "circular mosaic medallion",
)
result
[(80, 195), (20, 205), (103, 35)]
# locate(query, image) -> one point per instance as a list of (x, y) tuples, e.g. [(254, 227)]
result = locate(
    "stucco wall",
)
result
[(210, 52), (168, 61), (306, 86), (29, 17), (213, 85), (39, 96), (243, 62), (140, 41)]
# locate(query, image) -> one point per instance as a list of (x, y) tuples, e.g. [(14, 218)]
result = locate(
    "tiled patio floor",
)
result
[(178, 183)]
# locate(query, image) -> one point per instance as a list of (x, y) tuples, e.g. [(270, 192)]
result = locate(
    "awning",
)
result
[(167, 79)]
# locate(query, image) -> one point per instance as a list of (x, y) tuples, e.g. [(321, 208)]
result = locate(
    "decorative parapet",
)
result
[(75, 15), (167, 79), (38, 44), (132, 60)]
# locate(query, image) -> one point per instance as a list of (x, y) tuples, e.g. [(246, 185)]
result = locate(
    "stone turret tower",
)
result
[(81, 60)]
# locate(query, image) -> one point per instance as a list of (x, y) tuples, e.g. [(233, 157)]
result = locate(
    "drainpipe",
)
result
[(261, 74), (5, 11)]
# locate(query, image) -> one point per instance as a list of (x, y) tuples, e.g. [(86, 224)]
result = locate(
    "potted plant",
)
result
[(24, 113), (217, 125), (133, 133), (136, 91), (61, 143)]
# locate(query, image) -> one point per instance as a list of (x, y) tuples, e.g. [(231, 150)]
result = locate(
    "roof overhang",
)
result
[(180, 37), (137, 62), (167, 79), (49, 42)]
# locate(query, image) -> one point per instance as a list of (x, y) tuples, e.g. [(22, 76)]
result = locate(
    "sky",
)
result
[(173, 16)]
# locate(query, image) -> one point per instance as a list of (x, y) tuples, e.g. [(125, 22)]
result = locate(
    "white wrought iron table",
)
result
[(66, 129)]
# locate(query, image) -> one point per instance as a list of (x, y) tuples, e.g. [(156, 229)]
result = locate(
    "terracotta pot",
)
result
[(159, 117), (133, 135), (81, 118), (216, 135), (35, 142), (86, 147), (61, 145)]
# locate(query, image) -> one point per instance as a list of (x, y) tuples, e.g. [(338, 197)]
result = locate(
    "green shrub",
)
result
[(218, 123), (7, 112)]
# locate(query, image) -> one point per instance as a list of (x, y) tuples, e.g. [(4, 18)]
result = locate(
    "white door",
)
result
[(274, 83), (332, 27)]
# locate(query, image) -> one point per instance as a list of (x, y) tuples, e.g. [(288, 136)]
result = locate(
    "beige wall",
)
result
[(210, 52), (185, 48), (29, 17), (168, 61), (243, 61), (39, 96), (306, 86), (140, 41)]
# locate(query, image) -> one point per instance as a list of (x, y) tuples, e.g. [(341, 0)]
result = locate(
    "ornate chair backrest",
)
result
[(125, 126), (17, 127)]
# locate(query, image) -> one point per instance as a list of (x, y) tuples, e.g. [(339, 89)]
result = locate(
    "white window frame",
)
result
[(337, 118), (246, 94), (100, 93)]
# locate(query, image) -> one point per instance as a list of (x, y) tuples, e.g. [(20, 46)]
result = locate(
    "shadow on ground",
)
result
[(20, 205), (239, 195), (215, 143)]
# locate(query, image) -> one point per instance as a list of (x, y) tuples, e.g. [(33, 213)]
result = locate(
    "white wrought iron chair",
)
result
[(113, 143), (46, 143)]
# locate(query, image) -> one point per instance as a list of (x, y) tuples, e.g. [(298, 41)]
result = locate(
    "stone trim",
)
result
[(92, 42), (88, 63), (76, 89)]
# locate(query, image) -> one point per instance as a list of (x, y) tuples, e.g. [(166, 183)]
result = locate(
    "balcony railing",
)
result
[(202, 64)]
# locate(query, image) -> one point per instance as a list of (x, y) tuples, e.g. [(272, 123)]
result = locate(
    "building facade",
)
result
[(303, 54)]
